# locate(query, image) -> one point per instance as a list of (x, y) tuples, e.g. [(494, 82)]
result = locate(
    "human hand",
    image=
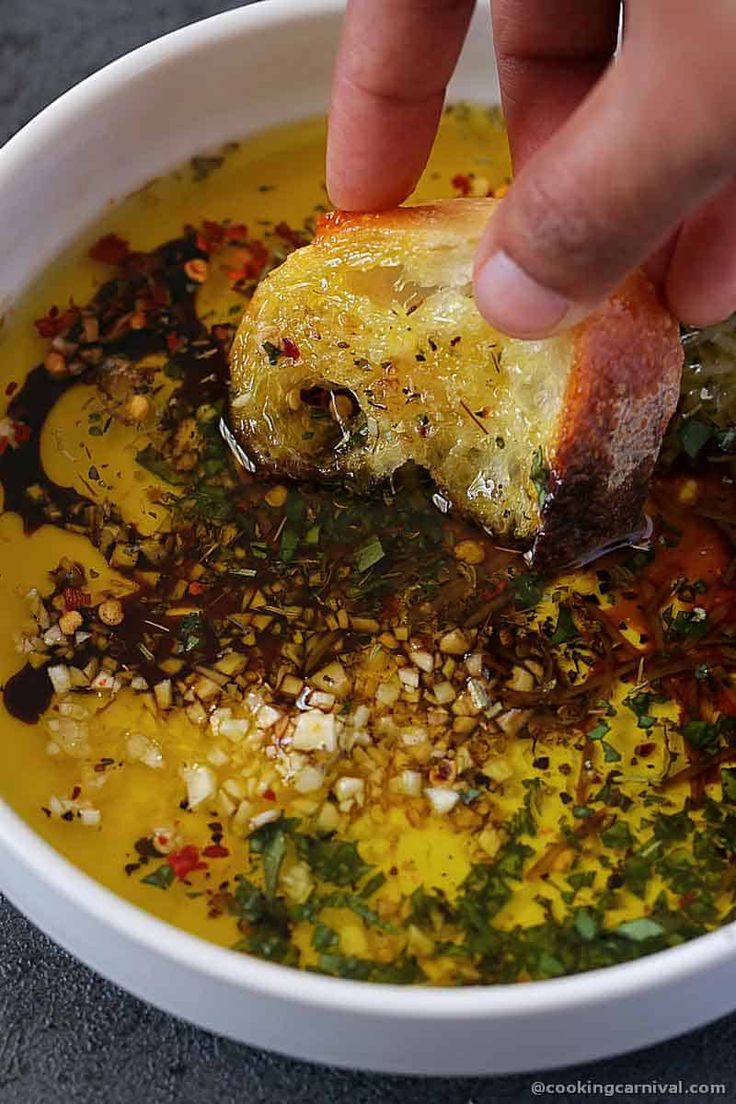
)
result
[(617, 163)]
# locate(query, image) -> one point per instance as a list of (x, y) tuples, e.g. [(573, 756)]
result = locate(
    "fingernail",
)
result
[(513, 302)]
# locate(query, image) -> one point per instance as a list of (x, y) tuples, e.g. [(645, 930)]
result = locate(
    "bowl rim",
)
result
[(29, 849)]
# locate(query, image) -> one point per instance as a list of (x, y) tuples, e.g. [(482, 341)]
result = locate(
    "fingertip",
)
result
[(697, 294), (362, 170), (350, 190), (700, 285), (514, 303), (703, 311)]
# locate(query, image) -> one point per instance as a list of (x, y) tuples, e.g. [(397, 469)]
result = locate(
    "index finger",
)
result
[(396, 58)]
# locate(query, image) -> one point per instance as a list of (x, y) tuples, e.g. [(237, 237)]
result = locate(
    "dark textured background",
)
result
[(65, 1034)]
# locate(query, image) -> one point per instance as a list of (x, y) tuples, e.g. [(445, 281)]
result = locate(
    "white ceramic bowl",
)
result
[(218, 80)]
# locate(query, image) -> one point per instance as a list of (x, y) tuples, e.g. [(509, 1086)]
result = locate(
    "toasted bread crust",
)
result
[(600, 398), (622, 392), (466, 215)]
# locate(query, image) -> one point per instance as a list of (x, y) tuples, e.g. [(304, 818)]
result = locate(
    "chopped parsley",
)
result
[(527, 589), (150, 459), (369, 555)]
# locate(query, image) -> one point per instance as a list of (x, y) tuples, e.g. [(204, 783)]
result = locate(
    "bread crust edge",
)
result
[(623, 389)]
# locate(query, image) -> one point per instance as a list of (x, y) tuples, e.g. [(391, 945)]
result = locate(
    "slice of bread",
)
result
[(365, 351)]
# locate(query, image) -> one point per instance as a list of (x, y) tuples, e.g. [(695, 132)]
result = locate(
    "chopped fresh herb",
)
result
[(269, 841), (566, 629), (192, 633), (354, 902), (728, 785), (174, 369), (403, 971), (585, 924), (581, 879), (639, 705), (610, 755), (599, 731), (427, 907), (324, 937), (636, 872), (150, 459), (273, 352), (640, 929), (291, 535), (369, 555), (694, 436), (269, 944), (618, 835), (210, 502), (710, 735), (162, 877), (689, 623), (726, 439), (373, 884), (527, 589), (336, 861), (524, 820), (548, 965), (485, 891), (248, 901), (672, 827)]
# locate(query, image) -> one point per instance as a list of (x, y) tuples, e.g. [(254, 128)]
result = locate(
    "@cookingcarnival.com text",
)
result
[(581, 1087)]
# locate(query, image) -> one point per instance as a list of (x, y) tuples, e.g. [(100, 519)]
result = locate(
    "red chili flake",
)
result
[(494, 591), (11, 388), (21, 432), (391, 607), (195, 589), (48, 326), (186, 860), (687, 898), (215, 851), (172, 342), (13, 434), (256, 256), (288, 234), (290, 348), (110, 249), (55, 322), (269, 795), (461, 183), (222, 333), (76, 598), (214, 232), (237, 233), (76, 792)]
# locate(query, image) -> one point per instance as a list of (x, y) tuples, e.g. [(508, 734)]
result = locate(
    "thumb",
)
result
[(652, 141)]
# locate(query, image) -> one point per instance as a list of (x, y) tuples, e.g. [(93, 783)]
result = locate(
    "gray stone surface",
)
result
[(67, 1035)]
